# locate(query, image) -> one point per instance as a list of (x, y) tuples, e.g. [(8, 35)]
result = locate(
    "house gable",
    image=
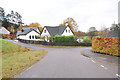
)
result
[(57, 30), (26, 30), (68, 32), (30, 35), (45, 32)]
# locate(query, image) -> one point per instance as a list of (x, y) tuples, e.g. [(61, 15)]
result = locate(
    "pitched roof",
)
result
[(113, 34), (30, 28), (26, 30), (3, 30), (56, 30)]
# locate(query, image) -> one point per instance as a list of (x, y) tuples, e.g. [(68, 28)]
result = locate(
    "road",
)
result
[(68, 63)]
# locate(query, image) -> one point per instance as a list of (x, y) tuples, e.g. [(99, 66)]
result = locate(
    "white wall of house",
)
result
[(67, 32), (27, 36), (45, 33), (4, 31)]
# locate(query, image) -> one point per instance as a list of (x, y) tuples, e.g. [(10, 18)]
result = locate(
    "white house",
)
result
[(57, 30), (4, 30), (28, 33)]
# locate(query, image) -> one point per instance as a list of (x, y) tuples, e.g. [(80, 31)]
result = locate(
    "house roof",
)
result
[(26, 30), (29, 28), (3, 30), (113, 34), (56, 30)]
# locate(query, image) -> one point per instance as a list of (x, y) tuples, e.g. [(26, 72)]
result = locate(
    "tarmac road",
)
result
[(68, 63)]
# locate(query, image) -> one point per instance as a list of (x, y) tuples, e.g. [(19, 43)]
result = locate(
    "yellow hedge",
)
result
[(106, 45)]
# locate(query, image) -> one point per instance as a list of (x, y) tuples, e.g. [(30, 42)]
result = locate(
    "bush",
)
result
[(64, 39), (106, 45), (37, 37), (87, 41), (51, 38)]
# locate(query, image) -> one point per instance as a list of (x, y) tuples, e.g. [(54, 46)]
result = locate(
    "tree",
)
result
[(105, 32), (36, 25), (115, 27), (80, 33), (12, 29), (2, 13), (18, 18), (71, 22), (5, 23), (15, 18), (20, 27), (92, 29), (91, 32), (40, 28)]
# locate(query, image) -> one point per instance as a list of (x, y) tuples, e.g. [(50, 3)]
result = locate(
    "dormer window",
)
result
[(22, 30)]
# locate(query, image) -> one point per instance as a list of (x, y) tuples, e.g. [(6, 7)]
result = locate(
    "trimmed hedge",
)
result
[(64, 39), (75, 43), (109, 46)]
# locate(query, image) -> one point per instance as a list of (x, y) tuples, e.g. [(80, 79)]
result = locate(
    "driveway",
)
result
[(68, 63)]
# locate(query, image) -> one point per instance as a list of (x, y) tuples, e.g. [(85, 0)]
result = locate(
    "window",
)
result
[(33, 37), (69, 31), (66, 30), (30, 36), (44, 31)]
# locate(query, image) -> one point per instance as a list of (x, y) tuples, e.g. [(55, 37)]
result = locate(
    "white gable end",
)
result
[(45, 33), (67, 32)]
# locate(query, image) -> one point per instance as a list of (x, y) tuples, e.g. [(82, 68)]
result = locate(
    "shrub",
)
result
[(63, 38), (106, 45), (37, 37), (87, 41), (43, 38), (51, 38)]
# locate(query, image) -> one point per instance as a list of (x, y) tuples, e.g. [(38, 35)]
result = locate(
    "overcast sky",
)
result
[(86, 13)]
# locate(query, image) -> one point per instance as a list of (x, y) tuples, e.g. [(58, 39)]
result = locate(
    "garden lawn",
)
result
[(15, 60)]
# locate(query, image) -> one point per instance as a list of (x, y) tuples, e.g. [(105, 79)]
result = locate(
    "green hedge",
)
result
[(106, 45), (64, 39)]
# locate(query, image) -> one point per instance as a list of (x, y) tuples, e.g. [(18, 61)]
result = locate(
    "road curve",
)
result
[(67, 63)]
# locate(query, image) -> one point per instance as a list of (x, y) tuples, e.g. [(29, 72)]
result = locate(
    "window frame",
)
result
[(32, 36), (29, 36)]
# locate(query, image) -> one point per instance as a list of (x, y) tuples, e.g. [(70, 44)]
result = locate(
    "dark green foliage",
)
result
[(51, 38), (64, 39), (37, 37), (87, 41)]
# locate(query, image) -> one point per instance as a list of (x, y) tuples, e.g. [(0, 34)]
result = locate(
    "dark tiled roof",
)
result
[(56, 30), (113, 34), (30, 28)]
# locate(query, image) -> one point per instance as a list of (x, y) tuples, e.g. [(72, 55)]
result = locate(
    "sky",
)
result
[(86, 13)]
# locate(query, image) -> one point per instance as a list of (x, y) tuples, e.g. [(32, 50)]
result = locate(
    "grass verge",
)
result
[(15, 60), (14, 63)]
